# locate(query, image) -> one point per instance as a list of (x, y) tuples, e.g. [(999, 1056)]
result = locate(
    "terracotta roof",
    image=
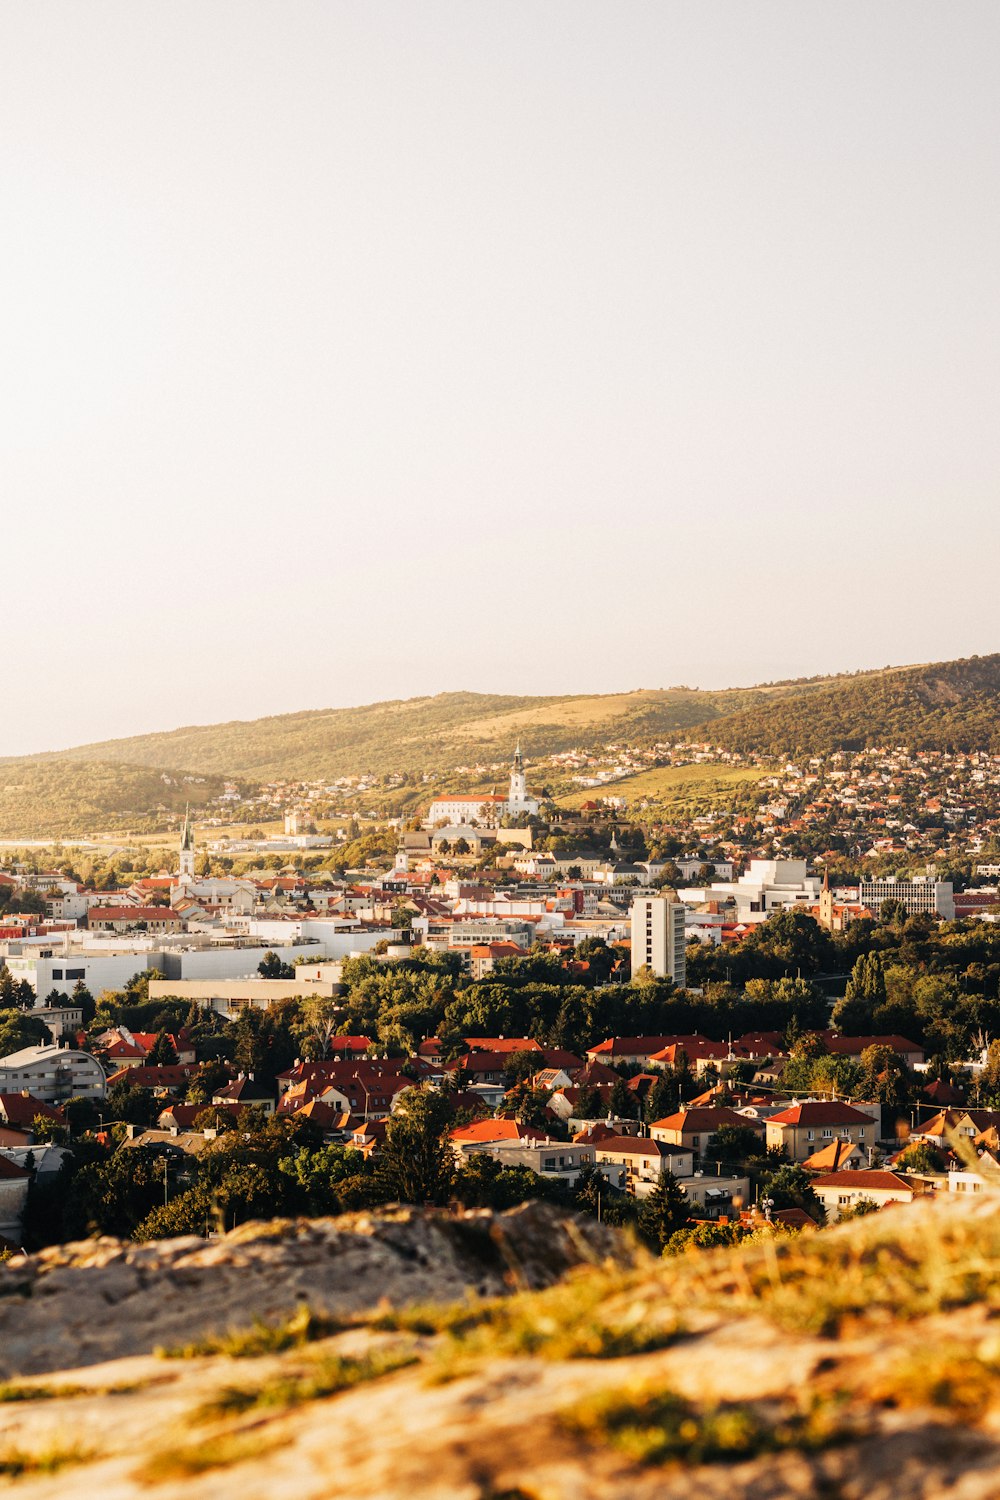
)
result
[(940, 1092), (635, 1046), (832, 1156), (797, 1218), (639, 1145), (21, 1109), (132, 914), (821, 1112), (707, 1119), (485, 1131), (154, 1076), (501, 1044), (879, 1182), (467, 798), (853, 1046)]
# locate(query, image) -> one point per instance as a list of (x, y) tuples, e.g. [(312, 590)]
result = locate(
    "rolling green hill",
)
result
[(949, 705), (415, 734), (429, 734), (68, 798)]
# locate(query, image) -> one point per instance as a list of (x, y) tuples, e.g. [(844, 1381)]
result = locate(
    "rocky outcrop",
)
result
[(95, 1300), (861, 1363)]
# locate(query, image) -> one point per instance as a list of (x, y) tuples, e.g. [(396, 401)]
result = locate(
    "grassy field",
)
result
[(673, 786)]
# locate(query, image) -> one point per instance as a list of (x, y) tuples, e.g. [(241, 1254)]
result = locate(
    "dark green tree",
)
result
[(416, 1163), (791, 1187), (163, 1053), (665, 1210), (82, 997), (623, 1102)]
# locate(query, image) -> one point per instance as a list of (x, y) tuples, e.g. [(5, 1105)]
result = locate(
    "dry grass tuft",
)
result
[(16, 1463), (593, 1314), (878, 1270)]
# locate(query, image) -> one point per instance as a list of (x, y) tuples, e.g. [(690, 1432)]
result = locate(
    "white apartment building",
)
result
[(920, 895), (53, 1074), (111, 964), (229, 997), (658, 938), (561, 1160)]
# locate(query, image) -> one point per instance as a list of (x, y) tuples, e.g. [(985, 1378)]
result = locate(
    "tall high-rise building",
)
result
[(658, 939)]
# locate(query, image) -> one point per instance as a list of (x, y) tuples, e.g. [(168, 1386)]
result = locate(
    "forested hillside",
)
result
[(946, 706), (64, 798), (428, 734), (950, 705)]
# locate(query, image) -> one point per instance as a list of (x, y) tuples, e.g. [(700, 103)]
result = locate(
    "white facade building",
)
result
[(53, 1074), (658, 938), (487, 810), (767, 885), (915, 896)]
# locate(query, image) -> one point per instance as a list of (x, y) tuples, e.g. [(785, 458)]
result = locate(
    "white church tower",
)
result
[(518, 800), (187, 848)]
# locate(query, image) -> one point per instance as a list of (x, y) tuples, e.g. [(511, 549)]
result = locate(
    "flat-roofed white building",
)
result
[(915, 896)]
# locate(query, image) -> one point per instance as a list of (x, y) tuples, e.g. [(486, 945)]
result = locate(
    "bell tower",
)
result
[(518, 793)]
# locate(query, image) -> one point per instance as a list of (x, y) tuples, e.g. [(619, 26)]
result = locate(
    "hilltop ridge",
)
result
[(945, 705), (938, 705)]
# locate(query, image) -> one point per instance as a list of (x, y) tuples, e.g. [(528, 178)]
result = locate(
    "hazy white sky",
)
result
[(352, 351)]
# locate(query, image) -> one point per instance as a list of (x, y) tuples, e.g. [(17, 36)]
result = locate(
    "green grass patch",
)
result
[(10, 1391), (16, 1463), (304, 1326), (671, 786), (327, 1377), (870, 1273), (188, 1460), (652, 1426), (955, 1377), (593, 1314)]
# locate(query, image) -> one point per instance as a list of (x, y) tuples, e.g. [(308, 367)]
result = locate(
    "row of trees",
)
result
[(272, 1167)]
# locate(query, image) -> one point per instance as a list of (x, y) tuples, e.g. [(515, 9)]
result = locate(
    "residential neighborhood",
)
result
[(809, 1062)]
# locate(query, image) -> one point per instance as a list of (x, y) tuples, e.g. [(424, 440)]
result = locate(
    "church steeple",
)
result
[(187, 847)]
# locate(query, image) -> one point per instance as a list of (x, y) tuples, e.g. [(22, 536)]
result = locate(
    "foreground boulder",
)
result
[(94, 1300), (861, 1363)]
